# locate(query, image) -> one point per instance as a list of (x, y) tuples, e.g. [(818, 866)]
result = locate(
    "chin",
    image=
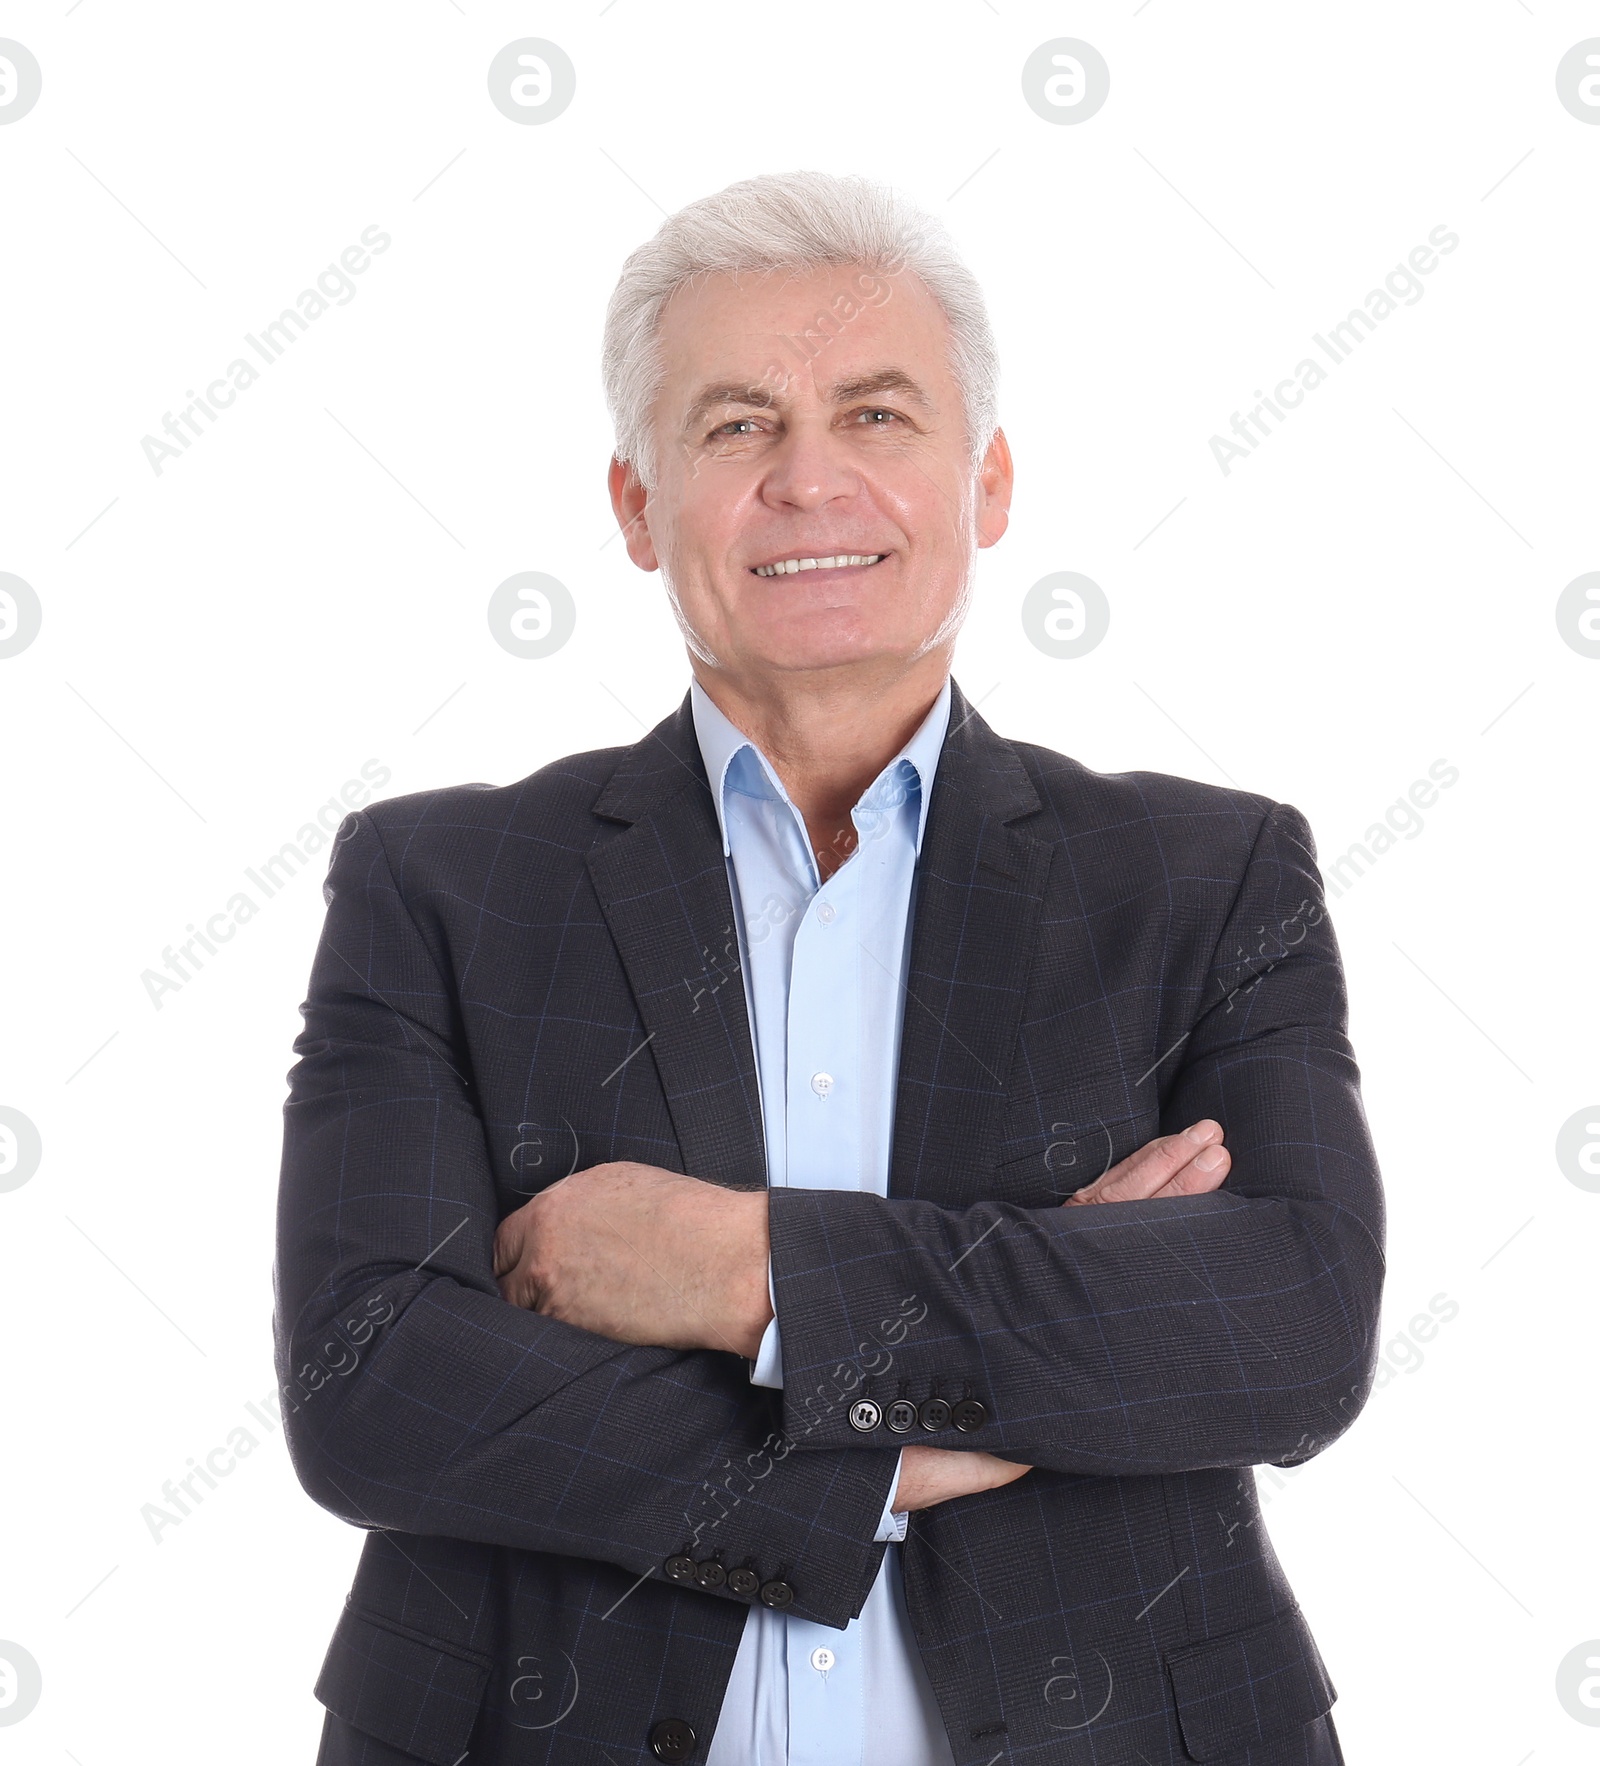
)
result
[(819, 639), (803, 657)]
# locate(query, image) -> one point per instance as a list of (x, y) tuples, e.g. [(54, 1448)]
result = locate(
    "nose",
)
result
[(810, 468)]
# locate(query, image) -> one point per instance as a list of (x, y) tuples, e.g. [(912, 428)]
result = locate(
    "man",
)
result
[(757, 1247)]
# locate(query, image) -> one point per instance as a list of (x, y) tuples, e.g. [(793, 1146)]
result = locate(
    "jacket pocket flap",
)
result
[(419, 1695), (1053, 1144), (1244, 1688)]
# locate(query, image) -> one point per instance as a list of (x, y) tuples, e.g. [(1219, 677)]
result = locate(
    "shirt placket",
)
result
[(827, 1696), (823, 1108), (823, 1089)]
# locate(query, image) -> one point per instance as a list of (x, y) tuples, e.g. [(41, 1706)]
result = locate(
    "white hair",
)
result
[(795, 221)]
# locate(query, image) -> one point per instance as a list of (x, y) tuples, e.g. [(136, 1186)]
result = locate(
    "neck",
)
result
[(828, 740)]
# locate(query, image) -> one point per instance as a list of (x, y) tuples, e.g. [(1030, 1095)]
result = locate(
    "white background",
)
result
[(225, 643)]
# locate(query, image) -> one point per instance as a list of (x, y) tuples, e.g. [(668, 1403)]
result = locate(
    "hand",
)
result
[(642, 1255), (1186, 1164), (935, 1474)]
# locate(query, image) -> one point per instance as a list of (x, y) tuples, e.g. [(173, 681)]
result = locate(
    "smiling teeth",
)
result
[(790, 565)]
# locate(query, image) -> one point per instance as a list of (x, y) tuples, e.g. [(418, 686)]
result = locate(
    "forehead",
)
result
[(791, 329)]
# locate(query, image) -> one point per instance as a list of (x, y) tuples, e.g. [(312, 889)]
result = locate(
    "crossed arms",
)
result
[(646, 1256), (1244, 1318)]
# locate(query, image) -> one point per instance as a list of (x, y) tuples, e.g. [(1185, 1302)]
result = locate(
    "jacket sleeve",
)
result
[(417, 1399), (1228, 1329)]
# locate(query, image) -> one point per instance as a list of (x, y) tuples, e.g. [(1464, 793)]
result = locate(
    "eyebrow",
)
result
[(841, 392)]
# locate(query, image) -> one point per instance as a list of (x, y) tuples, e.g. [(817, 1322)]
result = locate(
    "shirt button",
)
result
[(822, 1084), (826, 913), (822, 1658)]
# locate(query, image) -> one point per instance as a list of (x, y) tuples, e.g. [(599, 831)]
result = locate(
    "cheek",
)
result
[(694, 605), (943, 581)]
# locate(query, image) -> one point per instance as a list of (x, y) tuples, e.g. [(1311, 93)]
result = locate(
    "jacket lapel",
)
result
[(663, 887), (980, 886), (662, 884)]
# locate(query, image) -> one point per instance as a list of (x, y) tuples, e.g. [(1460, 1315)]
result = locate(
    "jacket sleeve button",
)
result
[(777, 1593), (934, 1412), (744, 1582), (968, 1414), (672, 1739), (680, 1568), (865, 1415), (710, 1574)]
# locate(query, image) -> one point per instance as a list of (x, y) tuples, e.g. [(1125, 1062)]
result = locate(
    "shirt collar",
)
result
[(721, 742)]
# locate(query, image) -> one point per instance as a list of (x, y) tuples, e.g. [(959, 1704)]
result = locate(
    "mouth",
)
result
[(838, 561)]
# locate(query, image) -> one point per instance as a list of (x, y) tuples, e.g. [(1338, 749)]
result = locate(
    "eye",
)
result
[(731, 425), (878, 411)]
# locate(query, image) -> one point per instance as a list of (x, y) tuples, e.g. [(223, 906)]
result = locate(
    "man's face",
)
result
[(812, 417)]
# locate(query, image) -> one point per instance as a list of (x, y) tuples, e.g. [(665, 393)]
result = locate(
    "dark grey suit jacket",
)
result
[(565, 1532)]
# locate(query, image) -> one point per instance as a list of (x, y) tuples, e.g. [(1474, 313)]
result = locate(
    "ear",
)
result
[(995, 480), (628, 499)]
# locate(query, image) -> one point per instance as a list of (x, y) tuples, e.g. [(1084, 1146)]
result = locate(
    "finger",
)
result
[(517, 1290), (1143, 1173), (506, 1259), (1204, 1173)]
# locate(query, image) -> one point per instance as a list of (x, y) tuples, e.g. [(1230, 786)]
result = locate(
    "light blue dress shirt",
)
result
[(823, 968)]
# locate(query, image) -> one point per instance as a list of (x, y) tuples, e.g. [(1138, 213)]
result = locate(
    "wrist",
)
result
[(749, 1293)]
